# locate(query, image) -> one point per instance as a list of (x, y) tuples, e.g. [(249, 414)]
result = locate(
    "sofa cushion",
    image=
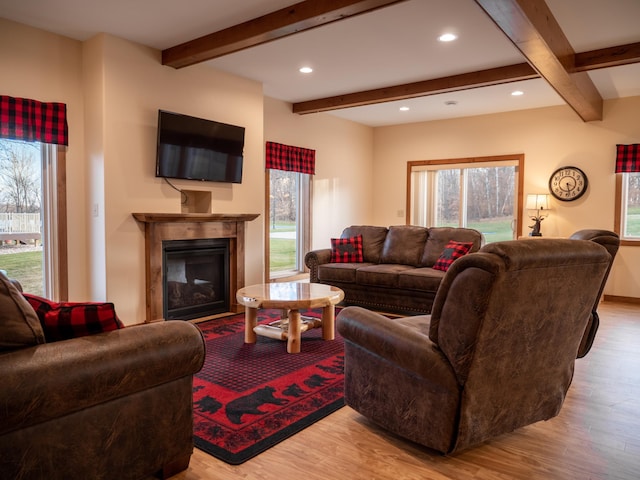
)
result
[(440, 236), (382, 275), (421, 279), (404, 245), (19, 325), (62, 321), (347, 250), (451, 253), (372, 240), (339, 272)]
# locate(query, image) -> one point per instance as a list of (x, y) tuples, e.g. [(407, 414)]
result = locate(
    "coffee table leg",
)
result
[(328, 322), (293, 337), (250, 321)]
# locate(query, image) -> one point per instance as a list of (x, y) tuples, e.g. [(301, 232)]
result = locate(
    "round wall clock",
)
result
[(568, 183)]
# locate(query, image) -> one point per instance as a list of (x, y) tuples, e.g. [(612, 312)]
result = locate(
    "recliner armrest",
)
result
[(54, 379)]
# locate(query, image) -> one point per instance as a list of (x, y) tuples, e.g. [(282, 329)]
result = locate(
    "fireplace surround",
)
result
[(169, 227)]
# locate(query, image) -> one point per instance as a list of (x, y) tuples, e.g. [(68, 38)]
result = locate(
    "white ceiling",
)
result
[(390, 46)]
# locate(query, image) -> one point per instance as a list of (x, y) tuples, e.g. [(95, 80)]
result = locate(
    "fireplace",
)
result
[(195, 278), (162, 229)]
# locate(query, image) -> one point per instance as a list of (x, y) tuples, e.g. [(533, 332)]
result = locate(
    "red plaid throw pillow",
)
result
[(452, 251), (347, 250), (65, 320)]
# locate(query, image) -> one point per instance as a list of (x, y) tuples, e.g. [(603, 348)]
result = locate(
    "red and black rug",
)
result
[(249, 397)]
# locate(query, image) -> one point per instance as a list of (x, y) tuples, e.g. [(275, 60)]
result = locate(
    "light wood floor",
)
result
[(596, 436)]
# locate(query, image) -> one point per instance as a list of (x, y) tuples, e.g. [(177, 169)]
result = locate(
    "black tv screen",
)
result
[(197, 149)]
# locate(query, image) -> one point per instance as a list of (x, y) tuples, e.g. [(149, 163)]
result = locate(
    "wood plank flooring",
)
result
[(595, 437)]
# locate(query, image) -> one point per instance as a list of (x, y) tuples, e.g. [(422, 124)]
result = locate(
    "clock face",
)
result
[(568, 183)]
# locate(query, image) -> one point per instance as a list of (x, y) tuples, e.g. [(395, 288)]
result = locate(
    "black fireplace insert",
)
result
[(195, 279)]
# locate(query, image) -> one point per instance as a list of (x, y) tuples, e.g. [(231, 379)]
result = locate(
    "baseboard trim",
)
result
[(620, 299)]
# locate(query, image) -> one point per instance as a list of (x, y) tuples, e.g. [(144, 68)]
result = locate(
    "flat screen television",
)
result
[(197, 149)]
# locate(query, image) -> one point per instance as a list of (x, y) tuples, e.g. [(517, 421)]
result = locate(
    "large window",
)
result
[(480, 193), (627, 222)]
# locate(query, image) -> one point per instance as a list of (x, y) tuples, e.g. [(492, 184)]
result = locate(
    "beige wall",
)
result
[(549, 138), (342, 193), (46, 67), (136, 85)]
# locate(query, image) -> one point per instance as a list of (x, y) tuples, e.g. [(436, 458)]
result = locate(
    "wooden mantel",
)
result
[(159, 227), (194, 217)]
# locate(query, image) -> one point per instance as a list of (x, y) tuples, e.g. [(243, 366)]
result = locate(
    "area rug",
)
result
[(249, 397)]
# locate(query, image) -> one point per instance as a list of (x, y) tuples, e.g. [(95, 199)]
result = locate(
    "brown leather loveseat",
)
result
[(396, 273), (115, 405)]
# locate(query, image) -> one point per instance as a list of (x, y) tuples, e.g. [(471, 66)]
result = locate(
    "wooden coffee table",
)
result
[(290, 297)]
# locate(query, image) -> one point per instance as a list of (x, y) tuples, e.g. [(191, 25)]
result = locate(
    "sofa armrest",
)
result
[(315, 258), (401, 345), (54, 379)]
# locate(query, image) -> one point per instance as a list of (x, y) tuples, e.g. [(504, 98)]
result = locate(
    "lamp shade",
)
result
[(538, 202)]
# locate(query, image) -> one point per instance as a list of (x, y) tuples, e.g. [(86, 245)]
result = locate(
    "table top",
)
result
[(289, 295)]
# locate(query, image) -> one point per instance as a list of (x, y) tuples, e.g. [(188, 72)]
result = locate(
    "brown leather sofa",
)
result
[(497, 353), (106, 406), (397, 273)]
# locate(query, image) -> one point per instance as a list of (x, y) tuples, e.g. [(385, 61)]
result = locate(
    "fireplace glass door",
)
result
[(195, 278)]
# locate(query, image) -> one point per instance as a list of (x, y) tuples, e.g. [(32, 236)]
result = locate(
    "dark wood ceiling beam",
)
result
[(281, 23), (531, 27), (607, 57), (585, 61), (465, 81)]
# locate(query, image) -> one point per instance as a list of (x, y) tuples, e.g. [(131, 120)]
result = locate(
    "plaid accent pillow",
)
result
[(65, 320), (452, 251), (347, 250)]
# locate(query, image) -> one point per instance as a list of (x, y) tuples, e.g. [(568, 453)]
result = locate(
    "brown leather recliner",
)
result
[(497, 353), (115, 405), (610, 241)]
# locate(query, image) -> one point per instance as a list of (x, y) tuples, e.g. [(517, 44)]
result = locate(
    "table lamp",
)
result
[(540, 204)]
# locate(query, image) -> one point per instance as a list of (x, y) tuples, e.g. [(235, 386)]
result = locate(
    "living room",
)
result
[(113, 89)]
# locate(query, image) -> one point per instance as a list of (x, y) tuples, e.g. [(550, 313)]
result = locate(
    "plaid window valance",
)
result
[(291, 159), (628, 158), (33, 121)]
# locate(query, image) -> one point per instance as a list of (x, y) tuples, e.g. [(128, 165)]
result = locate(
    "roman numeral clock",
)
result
[(568, 183)]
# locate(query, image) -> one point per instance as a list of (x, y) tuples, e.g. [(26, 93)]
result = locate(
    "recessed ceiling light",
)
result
[(451, 102), (306, 70), (447, 37), (517, 93), (404, 109)]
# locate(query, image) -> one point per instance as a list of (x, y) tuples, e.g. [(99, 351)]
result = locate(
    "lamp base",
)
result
[(532, 234)]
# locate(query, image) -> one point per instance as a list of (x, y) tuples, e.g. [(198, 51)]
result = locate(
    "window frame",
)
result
[(454, 163), (303, 228), (617, 218)]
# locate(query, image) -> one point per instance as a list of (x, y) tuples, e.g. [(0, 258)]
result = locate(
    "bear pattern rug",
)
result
[(249, 397)]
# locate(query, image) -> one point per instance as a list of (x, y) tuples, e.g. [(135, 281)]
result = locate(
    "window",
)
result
[(288, 207), (288, 187), (28, 126), (32, 226), (627, 219), (480, 193)]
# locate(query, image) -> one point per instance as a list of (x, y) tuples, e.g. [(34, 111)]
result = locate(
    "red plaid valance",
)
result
[(291, 159), (33, 121), (628, 158)]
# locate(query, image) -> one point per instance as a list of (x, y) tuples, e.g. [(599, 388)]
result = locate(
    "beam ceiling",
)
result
[(281, 23), (532, 28), (592, 60), (529, 24)]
